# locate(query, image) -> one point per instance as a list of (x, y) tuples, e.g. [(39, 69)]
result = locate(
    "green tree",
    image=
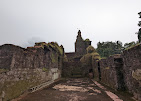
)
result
[(128, 45), (106, 49), (139, 32)]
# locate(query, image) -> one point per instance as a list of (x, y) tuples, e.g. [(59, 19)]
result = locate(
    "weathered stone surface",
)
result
[(73, 69), (21, 69), (81, 45), (132, 67), (111, 72), (121, 72)]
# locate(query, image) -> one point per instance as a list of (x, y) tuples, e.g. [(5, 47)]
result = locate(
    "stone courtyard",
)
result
[(75, 89)]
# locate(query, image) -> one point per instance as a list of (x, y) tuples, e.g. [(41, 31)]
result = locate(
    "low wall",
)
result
[(22, 69)]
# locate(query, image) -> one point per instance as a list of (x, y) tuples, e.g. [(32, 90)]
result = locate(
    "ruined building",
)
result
[(73, 67), (30, 69), (81, 45)]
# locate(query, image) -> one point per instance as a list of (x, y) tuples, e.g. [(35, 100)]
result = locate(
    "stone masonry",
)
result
[(22, 69)]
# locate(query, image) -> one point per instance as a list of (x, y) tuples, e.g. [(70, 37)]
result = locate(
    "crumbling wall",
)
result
[(21, 69), (132, 68), (81, 45), (121, 72), (110, 72)]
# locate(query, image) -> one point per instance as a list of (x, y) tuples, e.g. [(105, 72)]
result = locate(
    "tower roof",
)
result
[(79, 33)]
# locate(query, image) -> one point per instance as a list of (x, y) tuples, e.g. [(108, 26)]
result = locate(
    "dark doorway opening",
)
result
[(99, 71), (91, 75), (119, 72), (90, 70)]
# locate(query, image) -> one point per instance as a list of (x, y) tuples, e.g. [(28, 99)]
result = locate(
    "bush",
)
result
[(90, 49)]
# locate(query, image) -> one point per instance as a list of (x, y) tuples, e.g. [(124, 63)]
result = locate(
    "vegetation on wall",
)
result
[(52, 45), (14, 89), (87, 39), (91, 54)]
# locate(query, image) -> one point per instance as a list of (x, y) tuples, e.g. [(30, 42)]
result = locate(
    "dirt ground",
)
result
[(80, 89)]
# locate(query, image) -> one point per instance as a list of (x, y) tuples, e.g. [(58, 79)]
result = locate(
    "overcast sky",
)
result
[(22, 22)]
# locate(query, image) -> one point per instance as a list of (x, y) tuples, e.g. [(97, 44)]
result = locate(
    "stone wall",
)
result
[(132, 68), (121, 72), (110, 72), (81, 45), (70, 55), (22, 69), (72, 69)]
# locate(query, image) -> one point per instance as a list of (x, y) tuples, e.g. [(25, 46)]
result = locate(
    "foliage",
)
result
[(139, 32), (44, 69), (87, 59), (130, 45), (105, 49), (95, 56), (87, 39), (90, 49)]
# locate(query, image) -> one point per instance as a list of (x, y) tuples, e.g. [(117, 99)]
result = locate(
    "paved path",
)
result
[(82, 89)]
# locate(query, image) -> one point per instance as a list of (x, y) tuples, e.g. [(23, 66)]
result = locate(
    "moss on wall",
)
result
[(56, 47), (45, 69), (53, 45), (89, 56), (54, 58), (14, 89), (87, 39), (90, 49)]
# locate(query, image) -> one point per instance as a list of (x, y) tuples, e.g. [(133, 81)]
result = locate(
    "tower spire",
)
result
[(79, 33)]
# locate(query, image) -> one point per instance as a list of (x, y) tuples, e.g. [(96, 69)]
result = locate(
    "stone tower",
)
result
[(81, 45)]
